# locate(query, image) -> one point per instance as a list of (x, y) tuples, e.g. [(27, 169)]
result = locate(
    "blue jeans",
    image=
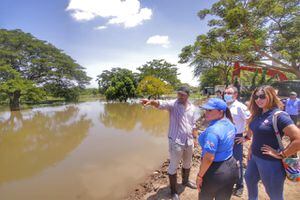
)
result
[(270, 172), (238, 155)]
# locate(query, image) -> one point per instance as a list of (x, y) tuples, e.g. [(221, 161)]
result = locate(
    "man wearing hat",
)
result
[(182, 135), (292, 106)]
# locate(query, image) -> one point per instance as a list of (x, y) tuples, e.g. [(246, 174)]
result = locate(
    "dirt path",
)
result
[(155, 186)]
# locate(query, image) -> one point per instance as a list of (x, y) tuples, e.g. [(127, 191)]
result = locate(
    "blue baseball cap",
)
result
[(215, 104)]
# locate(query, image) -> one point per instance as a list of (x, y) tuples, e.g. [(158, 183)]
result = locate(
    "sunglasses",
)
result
[(261, 96)]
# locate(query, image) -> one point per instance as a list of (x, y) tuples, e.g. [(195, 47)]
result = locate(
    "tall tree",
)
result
[(152, 86), (117, 84), (38, 62), (160, 69), (14, 86), (211, 51), (211, 77), (265, 29)]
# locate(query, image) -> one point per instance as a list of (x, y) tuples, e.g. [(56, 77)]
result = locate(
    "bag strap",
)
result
[(275, 126)]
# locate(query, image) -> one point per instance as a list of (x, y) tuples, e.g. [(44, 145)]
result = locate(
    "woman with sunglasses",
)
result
[(218, 170), (264, 161)]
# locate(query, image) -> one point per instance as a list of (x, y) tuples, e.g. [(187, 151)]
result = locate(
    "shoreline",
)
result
[(157, 182), (156, 185)]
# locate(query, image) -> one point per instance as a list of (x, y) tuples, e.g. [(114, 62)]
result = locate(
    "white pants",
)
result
[(178, 152)]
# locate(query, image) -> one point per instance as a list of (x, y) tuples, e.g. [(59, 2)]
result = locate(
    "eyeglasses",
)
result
[(261, 96)]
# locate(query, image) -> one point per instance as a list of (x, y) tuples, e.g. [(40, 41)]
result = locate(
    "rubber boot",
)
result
[(173, 186), (185, 179)]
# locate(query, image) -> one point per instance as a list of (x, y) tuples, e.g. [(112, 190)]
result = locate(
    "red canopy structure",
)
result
[(271, 72)]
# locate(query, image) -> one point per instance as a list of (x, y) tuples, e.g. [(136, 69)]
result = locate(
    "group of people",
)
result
[(231, 123)]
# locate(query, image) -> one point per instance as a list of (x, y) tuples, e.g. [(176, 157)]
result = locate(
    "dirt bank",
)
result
[(155, 186)]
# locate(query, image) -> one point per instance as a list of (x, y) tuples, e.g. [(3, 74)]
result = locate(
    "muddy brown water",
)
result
[(92, 150)]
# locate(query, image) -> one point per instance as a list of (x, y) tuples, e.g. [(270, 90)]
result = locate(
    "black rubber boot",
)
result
[(173, 186), (185, 179)]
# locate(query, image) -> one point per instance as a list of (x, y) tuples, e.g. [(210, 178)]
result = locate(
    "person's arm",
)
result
[(293, 132), (195, 136), (289, 129), (195, 130), (206, 162), (244, 112), (147, 102), (210, 148), (246, 137)]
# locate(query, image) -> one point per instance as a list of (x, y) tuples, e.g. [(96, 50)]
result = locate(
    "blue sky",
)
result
[(102, 34)]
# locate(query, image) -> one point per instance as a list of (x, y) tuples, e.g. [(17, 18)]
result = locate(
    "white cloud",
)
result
[(127, 13), (100, 27), (159, 40)]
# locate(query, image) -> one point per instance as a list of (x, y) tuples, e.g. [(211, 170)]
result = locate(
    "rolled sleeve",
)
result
[(245, 113), (211, 143)]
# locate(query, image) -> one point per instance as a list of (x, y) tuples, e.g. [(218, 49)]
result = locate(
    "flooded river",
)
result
[(87, 151)]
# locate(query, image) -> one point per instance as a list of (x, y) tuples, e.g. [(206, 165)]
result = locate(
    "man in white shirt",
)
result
[(240, 114)]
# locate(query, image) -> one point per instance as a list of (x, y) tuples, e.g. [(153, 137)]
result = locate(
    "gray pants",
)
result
[(178, 152)]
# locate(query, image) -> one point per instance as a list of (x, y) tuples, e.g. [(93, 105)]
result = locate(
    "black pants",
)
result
[(294, 118), (219, 179)]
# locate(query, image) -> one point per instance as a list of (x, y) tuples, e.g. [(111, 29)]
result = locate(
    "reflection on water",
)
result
[(80, 151), (29, 145), (128, 116)]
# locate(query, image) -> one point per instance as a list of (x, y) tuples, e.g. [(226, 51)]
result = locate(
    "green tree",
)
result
[(14, 86), (117, 84), (211, 51), (160, 69), (38, 64), (264, 29), (211, 77), (151, 86)]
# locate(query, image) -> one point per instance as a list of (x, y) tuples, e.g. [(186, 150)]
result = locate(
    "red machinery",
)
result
[(271, 72)]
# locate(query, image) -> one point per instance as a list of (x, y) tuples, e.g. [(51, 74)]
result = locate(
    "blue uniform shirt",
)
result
[(292, 107), (263, 132), (218, 139)]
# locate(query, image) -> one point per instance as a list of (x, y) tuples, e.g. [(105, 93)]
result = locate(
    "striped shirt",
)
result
[(182, 121)]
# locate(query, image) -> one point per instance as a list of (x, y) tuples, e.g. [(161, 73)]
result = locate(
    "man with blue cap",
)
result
[(218, 170)]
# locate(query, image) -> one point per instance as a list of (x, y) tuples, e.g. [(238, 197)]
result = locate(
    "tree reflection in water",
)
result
[(29, 144), (127, 117)]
